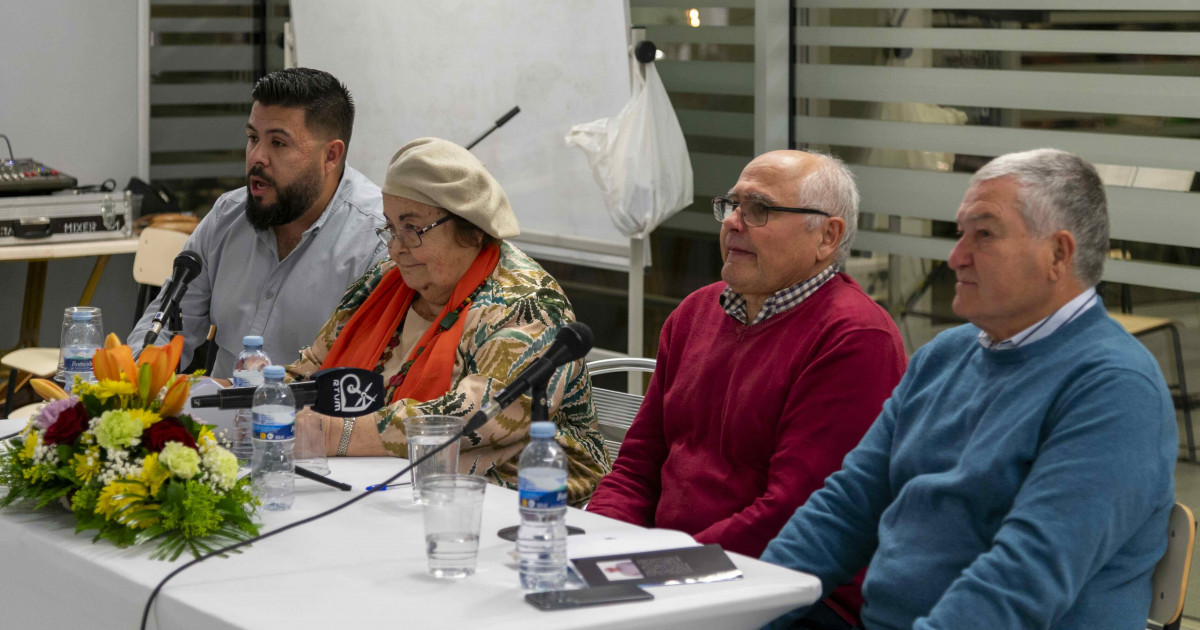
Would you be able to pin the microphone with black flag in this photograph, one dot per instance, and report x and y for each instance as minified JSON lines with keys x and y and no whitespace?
{"x":187,"y":267}
{"x":341,"y":392}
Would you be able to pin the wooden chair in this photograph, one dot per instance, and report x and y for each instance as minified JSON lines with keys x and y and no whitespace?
{"x":616,"y":410}
{"x":39,"y":362}
{"x":153,"y":262}
{"x":1138,"y":325}
{"x":1171,"y":573}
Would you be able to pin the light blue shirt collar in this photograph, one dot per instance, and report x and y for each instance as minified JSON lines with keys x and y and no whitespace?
{"x":1046,"y":326}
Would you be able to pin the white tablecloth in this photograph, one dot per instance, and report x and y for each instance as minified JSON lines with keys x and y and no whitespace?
{"x":363,"y":568}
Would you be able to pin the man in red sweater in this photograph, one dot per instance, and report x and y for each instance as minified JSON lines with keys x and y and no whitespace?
{"x":766,"y":380}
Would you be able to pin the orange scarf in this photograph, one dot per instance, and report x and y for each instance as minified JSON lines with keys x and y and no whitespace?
{"x":364,"y":338}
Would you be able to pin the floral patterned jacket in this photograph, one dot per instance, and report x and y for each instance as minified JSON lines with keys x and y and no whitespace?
{"x":512,"y":321}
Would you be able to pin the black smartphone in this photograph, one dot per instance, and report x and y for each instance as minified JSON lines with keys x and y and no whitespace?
{"x":609,"y":594}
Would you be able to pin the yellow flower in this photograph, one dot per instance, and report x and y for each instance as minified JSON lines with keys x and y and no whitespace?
{"x":206,"y":437}
{"x":153,"y":474}
{"x":107,"y":389}
{"x":87,"y":464}
{"x":31,"y":442}
{"x":129,"y":491}
{"x":145,"y":416}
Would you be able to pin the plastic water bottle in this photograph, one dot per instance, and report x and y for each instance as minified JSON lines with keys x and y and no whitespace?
{"x":542,"y":537}
{"x":81,"y":341}
{"x":271,"y":466}
{"x":247,"y":372}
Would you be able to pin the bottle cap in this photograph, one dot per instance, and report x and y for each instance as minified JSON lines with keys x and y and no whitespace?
{"x":542,"y":429}
{"x":81,"y":316}
{"x":252,"y":341}
{"x":273,"y":371}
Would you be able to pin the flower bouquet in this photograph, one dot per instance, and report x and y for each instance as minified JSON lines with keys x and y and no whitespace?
{"x":127,"y":462}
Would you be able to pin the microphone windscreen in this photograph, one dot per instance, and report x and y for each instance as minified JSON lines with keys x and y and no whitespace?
{"x":576,"y":337}
{"x":190,"y":262}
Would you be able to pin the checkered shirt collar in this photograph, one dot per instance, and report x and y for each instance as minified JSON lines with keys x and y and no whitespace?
{"x":783,"y":300}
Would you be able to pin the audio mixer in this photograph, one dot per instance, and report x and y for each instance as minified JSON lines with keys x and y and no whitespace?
{"x":27,"y":176}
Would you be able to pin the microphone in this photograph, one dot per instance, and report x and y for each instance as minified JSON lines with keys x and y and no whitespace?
{"x":187,"y":267}
{"x":572,"y":343}
{"x":340,"y":392}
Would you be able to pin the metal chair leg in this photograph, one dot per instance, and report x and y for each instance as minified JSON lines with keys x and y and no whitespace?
{"x":12,"y":391}
{"x":1183,"y":392}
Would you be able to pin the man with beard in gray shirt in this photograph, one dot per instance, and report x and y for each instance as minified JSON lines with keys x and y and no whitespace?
{"x":279,"y":253}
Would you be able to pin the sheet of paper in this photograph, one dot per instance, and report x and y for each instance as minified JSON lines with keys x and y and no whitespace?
{"x":592,"y":545}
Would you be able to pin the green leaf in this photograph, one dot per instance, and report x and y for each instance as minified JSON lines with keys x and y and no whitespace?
{"x":134,"y":518}
{"x":64,"y":452}
{"x":119,"y":515}
{"x":175,"y":493}
{"x":149,"y":533}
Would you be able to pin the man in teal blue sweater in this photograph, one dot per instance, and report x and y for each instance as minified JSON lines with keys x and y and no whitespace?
{"x":1021,"y":474}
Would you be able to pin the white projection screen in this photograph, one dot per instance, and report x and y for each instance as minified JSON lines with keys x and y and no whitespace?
{"x":451,"y":68}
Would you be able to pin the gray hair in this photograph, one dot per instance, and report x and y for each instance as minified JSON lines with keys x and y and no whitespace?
{"x":830,"y":187}
{"x":1059,"y":191}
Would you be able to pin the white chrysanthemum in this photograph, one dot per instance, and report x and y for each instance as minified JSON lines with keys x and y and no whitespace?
{"x":222,"y":465}
{"x":183,"y":461}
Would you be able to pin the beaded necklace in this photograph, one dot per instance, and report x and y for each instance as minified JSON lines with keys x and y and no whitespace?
{"x":446,"y":322}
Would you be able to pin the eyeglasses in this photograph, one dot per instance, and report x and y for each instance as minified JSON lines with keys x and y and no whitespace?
{"x":409,"y":237}
{"x":753,"y":212}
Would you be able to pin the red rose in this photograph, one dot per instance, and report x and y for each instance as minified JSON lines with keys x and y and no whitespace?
{"x":167,"y":430}
{"x":70,"y":423}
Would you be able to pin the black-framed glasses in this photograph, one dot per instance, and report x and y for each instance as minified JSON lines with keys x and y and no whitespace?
{"x":753,"y":212}
{"x":409,"y":237}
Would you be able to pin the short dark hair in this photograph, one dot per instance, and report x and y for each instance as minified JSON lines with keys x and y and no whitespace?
{"x":327,"y":104}
{"x":468,"y":234}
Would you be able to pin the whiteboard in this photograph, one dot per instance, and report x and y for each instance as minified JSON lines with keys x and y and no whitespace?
{"x":72,"y":87}
{"x":451,"y":68}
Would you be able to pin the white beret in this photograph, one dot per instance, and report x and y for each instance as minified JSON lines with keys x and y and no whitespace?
{"x":440,"y":173}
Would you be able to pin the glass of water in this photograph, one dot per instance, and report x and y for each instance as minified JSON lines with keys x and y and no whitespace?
{"x":453,"y":510}
{"x":426,"y":433}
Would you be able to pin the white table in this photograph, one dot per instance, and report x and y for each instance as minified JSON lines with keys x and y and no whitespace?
{"x":363,"y":568}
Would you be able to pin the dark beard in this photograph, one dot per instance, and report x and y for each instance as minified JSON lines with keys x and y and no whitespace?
{"x":291,"y":202}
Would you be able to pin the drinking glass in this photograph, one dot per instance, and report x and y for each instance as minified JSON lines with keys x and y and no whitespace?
{"x":453,"y":510}
{"x":424,"y":434}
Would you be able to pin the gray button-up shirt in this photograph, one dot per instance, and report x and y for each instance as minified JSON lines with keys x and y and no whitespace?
{"x":246,"y":290}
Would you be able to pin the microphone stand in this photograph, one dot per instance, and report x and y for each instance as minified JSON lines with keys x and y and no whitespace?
{"x":539,"y":407}
{"x":499,"y":123}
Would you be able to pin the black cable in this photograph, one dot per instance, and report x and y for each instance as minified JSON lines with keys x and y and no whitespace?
{"x":107,"y":185}
{"x":336,"y":508}
{"x":11,"y":158}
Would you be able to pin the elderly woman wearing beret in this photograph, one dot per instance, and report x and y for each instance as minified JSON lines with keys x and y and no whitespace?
{"x":450,"y":318}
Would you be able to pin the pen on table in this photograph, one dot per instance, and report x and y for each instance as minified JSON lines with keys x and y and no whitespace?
{"x":381,"y":487}
{"x":308,"y":474}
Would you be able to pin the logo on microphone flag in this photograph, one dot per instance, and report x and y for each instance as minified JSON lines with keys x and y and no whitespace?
{"x":351,"y":396}
{"x":346,"y":392}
